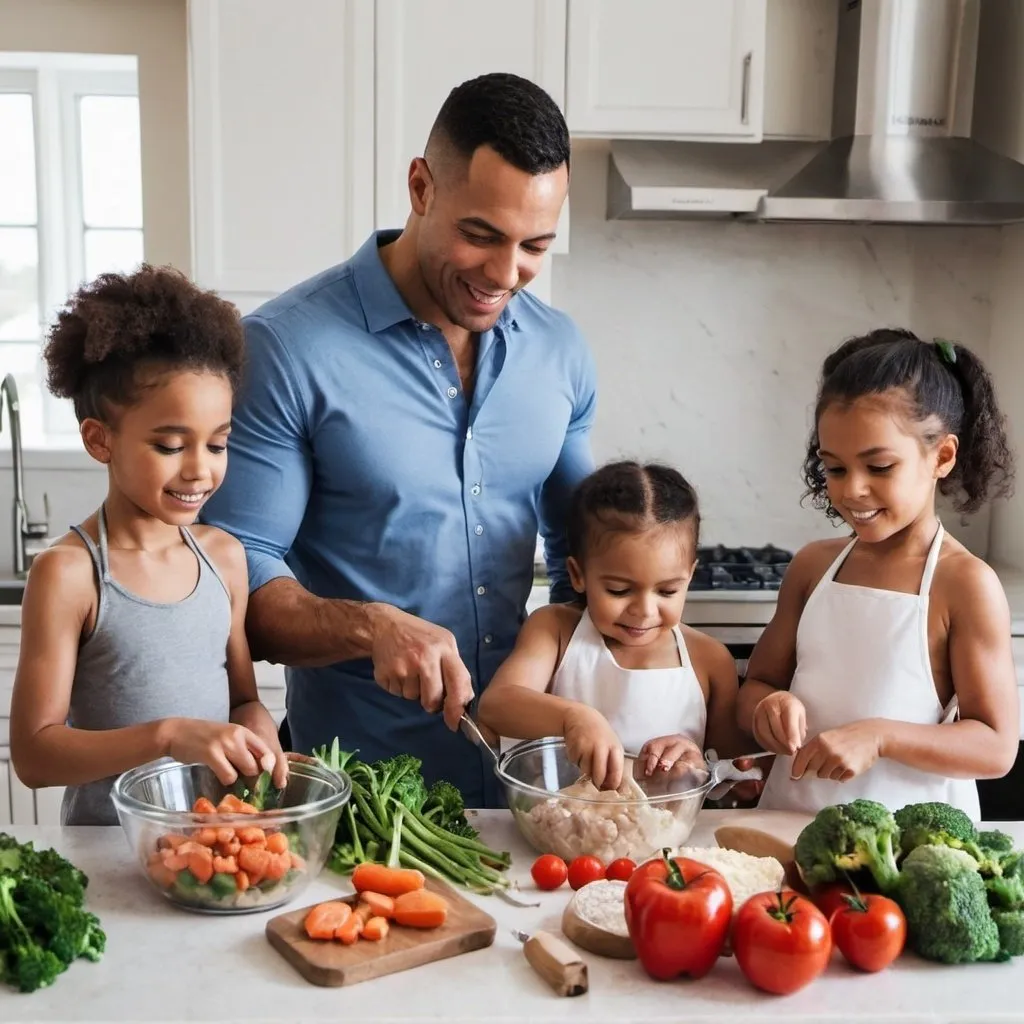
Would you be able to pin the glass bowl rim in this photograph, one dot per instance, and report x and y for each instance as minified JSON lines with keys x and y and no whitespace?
{"x":124,"y":801}
{"x":554,"y":742}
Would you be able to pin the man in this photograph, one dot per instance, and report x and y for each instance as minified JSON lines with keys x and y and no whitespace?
{"x":410,"y":419}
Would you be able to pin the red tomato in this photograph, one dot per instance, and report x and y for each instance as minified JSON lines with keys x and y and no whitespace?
{"x":781,"y":940}
{"x":620,"y":870}
{"x":870,"y":932}
{"x":584,"y":870}
{"x":829,"y":898}
{"x":677,"y":913}
{"x":549,"y":871}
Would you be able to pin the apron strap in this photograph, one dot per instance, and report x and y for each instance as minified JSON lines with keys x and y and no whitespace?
{"x":931,"y":561}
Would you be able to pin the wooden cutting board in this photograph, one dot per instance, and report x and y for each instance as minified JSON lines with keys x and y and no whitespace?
{"x":331,"y":963}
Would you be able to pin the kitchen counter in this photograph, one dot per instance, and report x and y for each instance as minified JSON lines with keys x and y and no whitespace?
{"x":164,"y":964}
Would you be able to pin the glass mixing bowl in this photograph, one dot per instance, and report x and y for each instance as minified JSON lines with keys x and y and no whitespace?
{"x":200,"y":861}
{"x":645,"y":816}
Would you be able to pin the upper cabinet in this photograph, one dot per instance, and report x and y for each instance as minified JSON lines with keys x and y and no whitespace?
{"x":425,"y":49}
{"x":666,"y":68}
{"x":282,"y":140}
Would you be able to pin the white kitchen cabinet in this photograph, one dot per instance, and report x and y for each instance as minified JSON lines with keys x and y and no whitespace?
{"x":5,"y":788}
{"x":666,"y":68}
{"x":282,"y":141}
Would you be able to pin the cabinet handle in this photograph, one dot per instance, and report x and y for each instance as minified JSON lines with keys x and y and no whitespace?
{"x":745,"y":89}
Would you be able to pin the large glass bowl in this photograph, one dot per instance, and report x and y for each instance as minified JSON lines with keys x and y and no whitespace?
{"x":154,"y":804}
{"x":653,"y":814}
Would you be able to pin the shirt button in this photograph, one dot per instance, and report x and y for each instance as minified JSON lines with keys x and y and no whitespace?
{"x":475,"y":489}
{"x":481,"y":591}
{"x":437,"y":364}
{"x":469,"y":433}
{"x":488,"y":639}
{"x":452,"y":392}
{"x":424,"y":327}
{"x":478,"y":529}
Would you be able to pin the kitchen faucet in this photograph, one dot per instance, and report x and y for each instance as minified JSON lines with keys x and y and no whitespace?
{"x":29,"y":537}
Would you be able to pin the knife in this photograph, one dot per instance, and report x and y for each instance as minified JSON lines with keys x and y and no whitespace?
{"x":555,"y":961}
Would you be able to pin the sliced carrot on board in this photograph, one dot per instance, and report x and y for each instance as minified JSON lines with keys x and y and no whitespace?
{"x":389,"y":881}
{"x":364,"y":910}
{"x":277,"y":842}
{"x":203,"y":806}
{"x":324,"y":920}
{"x":381,"y":905}
{"x":350,"y":930}
{"x":421,"y":909}
{"x":375,"y":929}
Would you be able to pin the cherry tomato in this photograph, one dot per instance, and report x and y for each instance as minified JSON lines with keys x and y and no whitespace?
{"x":870,"y":932}
{"x":620,"y":870}
{"x":584,"y":870}
{"x":549,"y":871}
{"x":781,"y":940}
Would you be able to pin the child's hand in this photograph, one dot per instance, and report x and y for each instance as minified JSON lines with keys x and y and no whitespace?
{"x":840,"y":754}
{"x":780,"y":723}
{"x":256,"y":718}
{"x":670,"y":753}
{"x":229,"y":749}
{"x":592,"y":745}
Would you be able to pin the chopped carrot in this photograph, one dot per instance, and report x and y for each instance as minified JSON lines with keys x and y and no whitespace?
{"x":229,"y":849}
{"x":162,"y":874}
{"x":203,"y":806}
{"x":364,"y":910}
{"x":297,"y":862}
{"x":255,"y":861}
{"x":206,"y":837}
{"x":201,"y":867}
{"x":251,"y":834}
{"x":375,"y":929}
{"x":277,"y":865}
{"x":385,"y":880}
{"x":229,"y":804}
{"x":381,"y":905}
{"x":241,"y":881}
{"x":421,"y":909}
{"x":277,"y":842}
{"x":324,"y":920}
{"x":225,"y":835}
{"x":175,"y":861}
{"x":225,"y":865}
{"x":350,"y":929}
{"x":193,"y":847}
{"x":244,"y":807}
{"x":171,"y":841}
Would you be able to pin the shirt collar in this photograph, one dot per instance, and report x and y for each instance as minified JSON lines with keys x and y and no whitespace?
{"x":383,"y":305}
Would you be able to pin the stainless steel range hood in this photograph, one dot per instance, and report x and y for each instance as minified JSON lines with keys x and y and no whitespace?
{"x":902,"y":151}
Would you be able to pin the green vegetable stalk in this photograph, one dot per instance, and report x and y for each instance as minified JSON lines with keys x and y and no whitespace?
{"x":392,"y":817}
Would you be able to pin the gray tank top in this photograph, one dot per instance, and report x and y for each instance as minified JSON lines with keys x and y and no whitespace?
{"x":144,"y":661}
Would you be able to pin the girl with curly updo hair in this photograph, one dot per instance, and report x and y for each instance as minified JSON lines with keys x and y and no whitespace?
{"x":886,"y":672}
{"x":133,"y":643}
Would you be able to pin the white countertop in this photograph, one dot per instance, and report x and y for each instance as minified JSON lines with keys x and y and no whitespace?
{"x":160,"y":966}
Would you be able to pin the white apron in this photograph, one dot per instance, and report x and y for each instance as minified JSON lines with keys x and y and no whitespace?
{"x":640,"y":704}
{"x":863,"y":653}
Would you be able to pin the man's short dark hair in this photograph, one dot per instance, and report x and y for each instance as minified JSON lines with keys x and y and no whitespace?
{"x":512,"y":115}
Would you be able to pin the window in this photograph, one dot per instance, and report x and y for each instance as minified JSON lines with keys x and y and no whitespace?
{"x":70,"y":208}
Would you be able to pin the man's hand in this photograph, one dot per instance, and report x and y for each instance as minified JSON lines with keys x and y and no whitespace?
{"x":591,"y":745}
{"x":780,"y":723}
{"x":840,"y":754}
{"x":417,"y":660}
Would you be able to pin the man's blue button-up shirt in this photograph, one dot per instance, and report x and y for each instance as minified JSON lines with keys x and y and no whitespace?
{"x":358,"y":467}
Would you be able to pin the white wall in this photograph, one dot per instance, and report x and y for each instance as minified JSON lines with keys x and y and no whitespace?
{"x":709,"y":337}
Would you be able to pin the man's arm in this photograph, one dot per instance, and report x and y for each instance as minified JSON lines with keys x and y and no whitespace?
{"x":262,"y":502}
{"x":575,"y":461}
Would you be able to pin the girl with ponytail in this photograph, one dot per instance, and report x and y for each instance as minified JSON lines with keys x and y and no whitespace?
{"x":886,"y":672}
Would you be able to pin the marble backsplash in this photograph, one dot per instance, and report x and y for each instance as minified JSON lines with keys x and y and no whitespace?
{"x":709,"y":337}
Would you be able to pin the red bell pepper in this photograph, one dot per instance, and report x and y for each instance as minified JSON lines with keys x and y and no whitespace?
{"x":678,"y":912}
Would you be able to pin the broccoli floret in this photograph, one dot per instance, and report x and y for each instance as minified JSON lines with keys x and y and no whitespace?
{"x":935,"y":824}
{"x":60,"y":873}
{"x":400,"y":777}
{"x":445,"y":807}
{"x":26,"y":962}
{"x":945,"y":903}
{"x":1010,"y":925}
{"x":996,"y":842}
{"x":57,"y":921}
{"x":849,"y":837}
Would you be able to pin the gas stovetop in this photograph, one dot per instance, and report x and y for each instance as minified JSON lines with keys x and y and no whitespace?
{"x":722,"y":568}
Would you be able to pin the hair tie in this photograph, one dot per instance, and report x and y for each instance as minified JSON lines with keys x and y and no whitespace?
{"x":946,"y":350}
